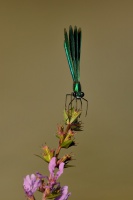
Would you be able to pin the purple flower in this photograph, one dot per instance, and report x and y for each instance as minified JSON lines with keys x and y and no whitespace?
{"x":50,"y":189}
{"x":31,"y":184}
{"x":64,"y":194}
{"x":52,"y":165}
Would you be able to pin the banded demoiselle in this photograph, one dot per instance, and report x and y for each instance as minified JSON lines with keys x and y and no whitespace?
{"x":72,"y":45}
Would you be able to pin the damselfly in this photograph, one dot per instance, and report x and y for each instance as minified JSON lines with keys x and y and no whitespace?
{"x":72,"y":45}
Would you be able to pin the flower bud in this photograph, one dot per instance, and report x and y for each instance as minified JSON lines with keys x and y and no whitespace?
{"x":48,"y":153}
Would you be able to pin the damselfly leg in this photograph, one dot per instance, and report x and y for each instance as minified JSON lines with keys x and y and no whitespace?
{"x":70,"y":105}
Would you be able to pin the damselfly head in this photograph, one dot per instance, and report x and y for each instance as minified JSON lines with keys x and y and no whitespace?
{"x":78,"y":95}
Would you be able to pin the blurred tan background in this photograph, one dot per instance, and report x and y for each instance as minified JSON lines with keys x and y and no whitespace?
{"x":34,"y":78}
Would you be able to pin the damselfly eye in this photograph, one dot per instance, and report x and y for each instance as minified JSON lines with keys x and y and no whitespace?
{"x":82,"y":94}
{"x":74,"y":94}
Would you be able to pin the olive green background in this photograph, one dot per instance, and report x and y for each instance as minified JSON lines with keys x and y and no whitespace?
{"x":34,"y":78}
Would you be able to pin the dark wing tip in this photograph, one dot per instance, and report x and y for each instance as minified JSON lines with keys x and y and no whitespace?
{"x":70,"y":31}
{"x":65,"y":31}
{"x":65,"y":36}
{"x":70,"y":27}
{"x":75,"y":27}
{"x":79,"y":30}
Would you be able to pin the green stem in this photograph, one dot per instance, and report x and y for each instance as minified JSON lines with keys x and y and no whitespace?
{"x":58,"y":151}
{"x":59,"y":147}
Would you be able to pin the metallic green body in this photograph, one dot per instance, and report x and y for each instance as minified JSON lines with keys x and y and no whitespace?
{"x":72,"y":45}
{"x":76,"y":87}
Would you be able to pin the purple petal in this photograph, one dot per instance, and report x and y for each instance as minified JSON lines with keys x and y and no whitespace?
{"x":40,"y":176}
{"x":64,"y":195}
{"x":52,"y":166}
{"x":31,"y":184}
{"x":61,"y":169}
